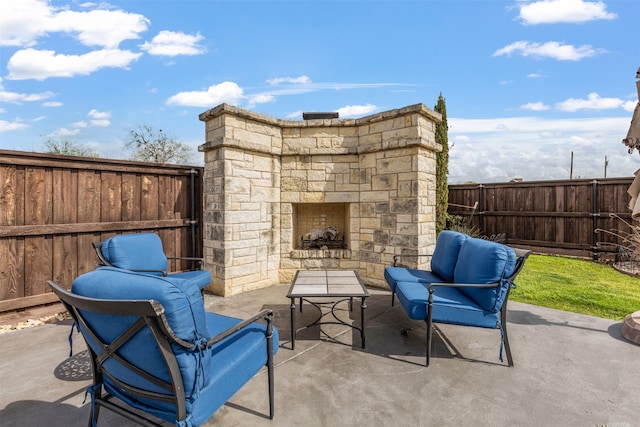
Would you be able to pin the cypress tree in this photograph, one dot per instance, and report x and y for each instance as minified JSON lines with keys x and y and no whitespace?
{"x":442,"y":166}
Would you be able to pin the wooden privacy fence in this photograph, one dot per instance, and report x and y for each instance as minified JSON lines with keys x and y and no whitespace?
{"x":53,"y":207}
{"x":562,"y":215}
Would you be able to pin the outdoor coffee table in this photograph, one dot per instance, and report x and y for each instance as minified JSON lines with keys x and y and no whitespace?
{"x":340,"y":285}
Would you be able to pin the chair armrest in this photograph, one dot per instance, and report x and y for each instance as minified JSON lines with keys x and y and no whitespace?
{"x":187,"y":258}
{"x":200,"y":260}
{"x":163,"y":272}
{"x":266,"y":315}
{"x":462,"y":285}
{"x":397,"y":257}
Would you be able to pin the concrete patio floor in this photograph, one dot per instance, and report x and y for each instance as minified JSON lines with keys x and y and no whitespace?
{"x":570,"y":370}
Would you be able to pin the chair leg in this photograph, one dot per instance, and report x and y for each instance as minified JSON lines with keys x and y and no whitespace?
{"x":94,"y":412}
{"x":429,"y":325}
{"x":505,"y":337}
{"x":270,"y":370}
{"x":393,"y":298}
{"x":507,"y":349}
{"x":429,"y":337}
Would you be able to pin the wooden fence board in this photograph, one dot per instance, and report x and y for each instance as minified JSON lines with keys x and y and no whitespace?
{"x":553,"y":214}
{"x":130,"y":197}
{"x":53,"y":207}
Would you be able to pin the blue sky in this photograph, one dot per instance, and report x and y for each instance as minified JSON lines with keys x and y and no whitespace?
{"x":526,"y":82}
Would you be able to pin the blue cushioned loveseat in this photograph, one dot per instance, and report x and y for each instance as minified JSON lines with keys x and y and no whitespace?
{"x":154,"y":347}
{"x":469,"y":285}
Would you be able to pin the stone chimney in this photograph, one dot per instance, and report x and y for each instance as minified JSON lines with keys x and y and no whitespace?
{"x":268,"y":181}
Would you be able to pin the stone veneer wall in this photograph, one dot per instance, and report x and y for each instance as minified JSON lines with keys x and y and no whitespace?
{"x":257,"y":167}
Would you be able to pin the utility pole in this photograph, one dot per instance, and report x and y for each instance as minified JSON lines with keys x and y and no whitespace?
{"x":606,"y":163}
{"x":571,"y":170}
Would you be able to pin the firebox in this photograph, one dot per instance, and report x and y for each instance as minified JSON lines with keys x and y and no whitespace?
{"x":320,"y":225}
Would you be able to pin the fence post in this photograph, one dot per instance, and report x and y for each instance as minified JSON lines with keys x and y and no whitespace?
{"x":193,"y":173}
{"x":481,"y":207}
{"x":594,"y":214}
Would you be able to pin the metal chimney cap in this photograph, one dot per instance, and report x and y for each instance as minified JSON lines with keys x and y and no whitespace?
{"x":312,"y":116}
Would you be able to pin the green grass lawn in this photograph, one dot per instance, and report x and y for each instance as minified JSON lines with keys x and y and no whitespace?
{"x":577,"y":285}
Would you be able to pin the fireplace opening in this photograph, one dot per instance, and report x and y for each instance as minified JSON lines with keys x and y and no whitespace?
{"x":320,"y":225}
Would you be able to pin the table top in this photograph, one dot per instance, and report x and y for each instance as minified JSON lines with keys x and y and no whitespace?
{"x":327,"y":283}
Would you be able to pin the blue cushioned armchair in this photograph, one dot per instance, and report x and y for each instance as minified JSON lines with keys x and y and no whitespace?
{"x":154,"y":347}
{"x":143,"y":252}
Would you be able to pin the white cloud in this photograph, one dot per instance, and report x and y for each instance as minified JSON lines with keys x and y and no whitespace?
{"x":99,"y":118}
{"x":565,"y":11}
{"x":593,"y":102}
{"x":535,"y":76}
{"x":578,"y":141}
{"x":356,"y":110}
{"x":52,"y":104}
{"x":295,"y":115}
{"x":555,"y":50}
{"x":6,"y":126}
{"x":95,"y":114}
{"x":17,"y":98}
{"x":500,"y":149}
{"x":105,"y":28}
{"x":39,"y":118}
{"x":172,"y":43}
{"x":292,"y":80}
{"x":260,"y":99}
{"x":78,"y":125}
{"x":62,"y":132}
{"x":535,"y":106}
{"x":24,"y":22}
{"x":42,"y":64}
{"x":629,"y":105}
{"x":101,"y":123}
{"x":225,"y":92}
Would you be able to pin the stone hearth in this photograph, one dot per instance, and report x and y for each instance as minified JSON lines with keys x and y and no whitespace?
{"x":268,"y":181}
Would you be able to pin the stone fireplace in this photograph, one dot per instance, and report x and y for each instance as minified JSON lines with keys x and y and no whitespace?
{"x":269,"y":182}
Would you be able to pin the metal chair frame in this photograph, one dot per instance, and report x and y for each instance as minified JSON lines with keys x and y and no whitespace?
{"x":151,"y":315}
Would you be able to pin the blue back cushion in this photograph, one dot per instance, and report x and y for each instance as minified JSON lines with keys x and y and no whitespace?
{"x":184,"y":310}
{"x":484,"y":262}
{"x":443,"y":261}
{"x":140,"y":251}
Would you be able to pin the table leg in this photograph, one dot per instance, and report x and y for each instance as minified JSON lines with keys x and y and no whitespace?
{"x":293,"y":323}
{"x":363,"y":306}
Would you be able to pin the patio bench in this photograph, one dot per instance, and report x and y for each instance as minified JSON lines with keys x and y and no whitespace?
{"x":469,"y":285}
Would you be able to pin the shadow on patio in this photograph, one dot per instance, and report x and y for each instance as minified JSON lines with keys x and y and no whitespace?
{"x":570,"y":369}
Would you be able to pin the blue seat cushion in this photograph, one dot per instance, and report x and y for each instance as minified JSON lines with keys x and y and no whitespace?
{"x":200,"y":278}
{"x":139,"y":251}
{"x":394,"y":275}
{"x":445,"y":255}
{"x":227,"y":366}
{"x":484,"y":262}
{"x":449,"y":306}
{"x":443,"y":262}
{"x":231,"y":363}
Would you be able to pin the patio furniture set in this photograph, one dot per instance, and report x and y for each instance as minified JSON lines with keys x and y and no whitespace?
{"x":155,"y":348}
